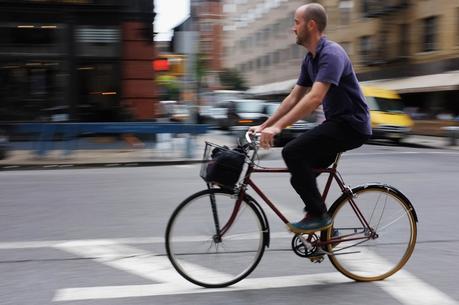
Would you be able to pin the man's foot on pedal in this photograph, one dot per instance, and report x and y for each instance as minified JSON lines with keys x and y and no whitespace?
{"x":310,"y":224}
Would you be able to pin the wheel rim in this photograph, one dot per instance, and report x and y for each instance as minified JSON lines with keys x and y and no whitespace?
{"x":393,"y":239}
{"x":198,"y":256}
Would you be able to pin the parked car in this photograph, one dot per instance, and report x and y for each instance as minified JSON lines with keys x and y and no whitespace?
{"x":4,"y":145}
{"x":174,"y":112}
{"x":388,"y":120}
{"x":239,"y":114}
{"x":292,"y":131}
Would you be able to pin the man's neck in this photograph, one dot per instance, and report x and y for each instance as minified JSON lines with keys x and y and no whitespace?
{"x":312,"y":45}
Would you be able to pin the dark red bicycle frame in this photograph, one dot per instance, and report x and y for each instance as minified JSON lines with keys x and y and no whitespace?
{"x":333,"y":175}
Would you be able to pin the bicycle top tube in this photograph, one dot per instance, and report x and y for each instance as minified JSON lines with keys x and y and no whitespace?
{"x":253,"y":139}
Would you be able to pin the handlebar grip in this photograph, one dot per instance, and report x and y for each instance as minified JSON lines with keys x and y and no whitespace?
{"x":251,"y":137}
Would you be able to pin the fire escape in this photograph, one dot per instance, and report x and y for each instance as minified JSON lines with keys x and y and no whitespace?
{"x":383,"y":49}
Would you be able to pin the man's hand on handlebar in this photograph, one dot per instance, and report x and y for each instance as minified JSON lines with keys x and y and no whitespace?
{"x":267,"y":136}
{"x":256,"y":129}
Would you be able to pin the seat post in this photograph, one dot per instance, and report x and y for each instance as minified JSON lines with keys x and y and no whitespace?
{"x":335,"y":164}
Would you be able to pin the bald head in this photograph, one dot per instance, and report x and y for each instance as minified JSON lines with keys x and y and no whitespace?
{"x":316,"y":12}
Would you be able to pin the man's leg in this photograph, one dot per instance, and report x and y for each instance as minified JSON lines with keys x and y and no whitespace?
{"x":301,"y":155}
{"x":317,"y":149}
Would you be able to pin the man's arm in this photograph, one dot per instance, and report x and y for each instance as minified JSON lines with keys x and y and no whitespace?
{"x":304,"y":107}
{"x":287,"y":104}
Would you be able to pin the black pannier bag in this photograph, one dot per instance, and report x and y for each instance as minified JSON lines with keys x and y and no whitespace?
{"x":223,"y":165}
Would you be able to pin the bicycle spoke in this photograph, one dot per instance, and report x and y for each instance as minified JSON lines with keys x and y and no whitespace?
{"x":400,"y":217}
{"x":235,"y":253}
{"x":382,"y":209}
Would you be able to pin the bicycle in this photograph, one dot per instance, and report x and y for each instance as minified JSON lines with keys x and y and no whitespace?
{"x":216,"y":237}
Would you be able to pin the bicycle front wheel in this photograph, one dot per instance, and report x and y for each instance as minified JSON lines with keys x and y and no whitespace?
{"x":201,"y":252}
{"x":375,"y":231}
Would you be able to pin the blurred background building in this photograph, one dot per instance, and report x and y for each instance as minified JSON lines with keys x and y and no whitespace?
{"x":78,"y":60}
{"x":95,"y":60}
{"x":411,"y":46}
{"x":204,"y":30}
{"x":208,"y":14}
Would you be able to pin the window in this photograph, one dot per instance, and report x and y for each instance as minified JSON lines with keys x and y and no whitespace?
{"x":345,"y":8}
{"x":206,"y":27}
{"x":97,"y":41}
{"x":259,"y":38}
{"x":372,"y":8}
{"x":206,"y":47}
{"x":229,"y":8}
{"x":457,"y":27}
{"x":266,"y":34}
{"x":258,"y":63}
{"x":404,"y":42}
{"x":266,"y":60}
{"x":250,"y":65}
{"x":347,"y":46}
{"x":276,"y":28}
{"x":32,"y":38}
{"x":276,"y":57}
{"x":285,"y":54}
{"x":365,"y":48}
{"x":295,"y":51}
{"x":430,"y":30}
{"x":29,"y":89}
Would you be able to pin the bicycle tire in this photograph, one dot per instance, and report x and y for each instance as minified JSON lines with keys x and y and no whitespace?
{"x":394,"y":220}
{"x":198,"y":256}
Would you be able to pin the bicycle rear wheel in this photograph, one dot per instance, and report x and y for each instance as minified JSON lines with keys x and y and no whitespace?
{"x":382,"y":248}
{"x":203,"y":256}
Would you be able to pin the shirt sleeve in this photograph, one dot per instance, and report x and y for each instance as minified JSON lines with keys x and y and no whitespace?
{"x":304,"y":80}
{"x":331,"y":67}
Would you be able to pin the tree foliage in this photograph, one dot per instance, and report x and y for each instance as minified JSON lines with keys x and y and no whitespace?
{"x":233,"y":80}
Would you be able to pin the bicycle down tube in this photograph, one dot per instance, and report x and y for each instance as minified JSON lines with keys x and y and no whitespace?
{"x":333,"y":175}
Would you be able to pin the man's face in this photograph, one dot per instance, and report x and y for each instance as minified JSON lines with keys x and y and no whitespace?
{"x":300,"y":28}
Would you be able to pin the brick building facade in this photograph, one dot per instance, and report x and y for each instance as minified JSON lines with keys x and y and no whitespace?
{"x":84,"y":60}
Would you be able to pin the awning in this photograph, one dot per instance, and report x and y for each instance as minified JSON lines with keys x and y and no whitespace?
{"x":426,"y":83}
{"x":446,"y":81}
{"x":283,"y":87}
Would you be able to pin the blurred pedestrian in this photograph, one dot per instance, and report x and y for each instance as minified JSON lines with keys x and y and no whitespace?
{"x":328,"y":72}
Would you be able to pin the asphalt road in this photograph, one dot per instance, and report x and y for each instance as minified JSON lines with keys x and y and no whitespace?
{"x":95,"y":236}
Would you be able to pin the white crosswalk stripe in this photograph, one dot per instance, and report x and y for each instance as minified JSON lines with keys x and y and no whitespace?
{"x":403,"y":286}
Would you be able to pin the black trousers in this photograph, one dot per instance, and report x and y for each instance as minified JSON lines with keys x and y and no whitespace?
{"x":317,"y":148}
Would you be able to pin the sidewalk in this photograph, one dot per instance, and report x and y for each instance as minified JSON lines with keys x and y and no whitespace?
{"x":166,"y":153}
{"x":117,"y":153}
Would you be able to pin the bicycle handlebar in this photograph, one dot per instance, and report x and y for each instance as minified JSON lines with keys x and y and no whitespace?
{"x":252,"y":138}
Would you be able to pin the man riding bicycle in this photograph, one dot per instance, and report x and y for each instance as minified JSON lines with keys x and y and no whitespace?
{"x":328,"y":72}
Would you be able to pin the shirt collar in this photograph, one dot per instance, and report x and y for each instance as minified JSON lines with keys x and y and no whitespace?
{"x":319,"y":47}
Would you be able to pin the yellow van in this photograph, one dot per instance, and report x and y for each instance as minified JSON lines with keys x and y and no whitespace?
{"x":388,"y":120}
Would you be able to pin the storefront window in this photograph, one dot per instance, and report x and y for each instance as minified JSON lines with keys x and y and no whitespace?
{"x":36,"y":38}
{"x":98,"y":41}
{"x":30,"y":90}
{"x":98,"y":92}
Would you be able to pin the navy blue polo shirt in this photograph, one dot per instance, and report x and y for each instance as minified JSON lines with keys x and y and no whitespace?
{"x":344,"y":100}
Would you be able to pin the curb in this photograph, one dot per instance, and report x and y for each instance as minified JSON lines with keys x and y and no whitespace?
{"x":15,"y":167}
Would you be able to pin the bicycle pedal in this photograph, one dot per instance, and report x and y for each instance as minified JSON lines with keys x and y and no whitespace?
{"x":316,"y":259}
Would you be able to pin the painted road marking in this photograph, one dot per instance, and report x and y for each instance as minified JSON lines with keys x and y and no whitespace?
{"x":403,"y":286}
{"x":133,"y":260}
{"x":102,"y":242}
{"x":111,"y":292}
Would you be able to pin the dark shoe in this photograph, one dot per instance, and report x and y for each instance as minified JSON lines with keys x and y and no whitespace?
{"x":311,"y":224}
{"x":335,"y":235}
